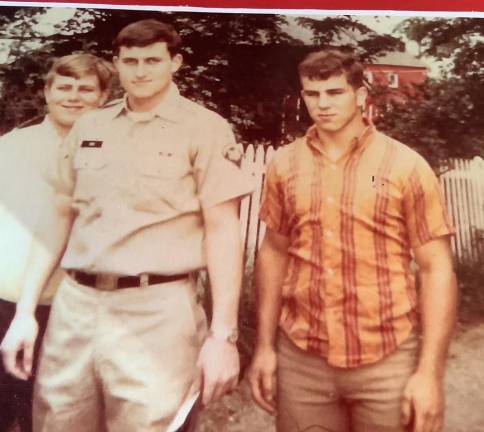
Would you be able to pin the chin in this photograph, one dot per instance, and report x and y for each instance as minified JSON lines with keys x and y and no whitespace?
{"x":328,"y":128}
{"x":68,"y":120}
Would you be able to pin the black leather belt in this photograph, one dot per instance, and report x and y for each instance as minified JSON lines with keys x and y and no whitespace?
{"x":91,"y":279}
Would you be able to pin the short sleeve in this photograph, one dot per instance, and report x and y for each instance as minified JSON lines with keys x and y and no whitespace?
{"x":272,"y":205}
{"x":424,"y":205}
{"x":218,"y":165}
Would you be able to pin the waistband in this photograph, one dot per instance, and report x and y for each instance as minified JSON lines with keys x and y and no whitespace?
{"x":111,"y":282}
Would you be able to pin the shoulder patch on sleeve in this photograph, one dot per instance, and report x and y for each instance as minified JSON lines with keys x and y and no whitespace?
{"x":233,"y":153}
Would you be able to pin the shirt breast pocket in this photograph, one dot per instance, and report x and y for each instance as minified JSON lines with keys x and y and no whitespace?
{"x":89,"y":159}
{"x":163,"y":166}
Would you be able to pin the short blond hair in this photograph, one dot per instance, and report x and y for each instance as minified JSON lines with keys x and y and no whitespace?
{"x":80,"y":65}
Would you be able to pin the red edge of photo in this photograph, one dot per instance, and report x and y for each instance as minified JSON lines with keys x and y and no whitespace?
{"x":408,"y":5}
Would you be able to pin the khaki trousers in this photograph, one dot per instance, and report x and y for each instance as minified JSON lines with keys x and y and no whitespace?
{"x":315,"y":397}
{"x":120,"y":361}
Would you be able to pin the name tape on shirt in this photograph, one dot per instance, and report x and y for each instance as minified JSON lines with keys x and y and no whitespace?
{"x":91,"y":144}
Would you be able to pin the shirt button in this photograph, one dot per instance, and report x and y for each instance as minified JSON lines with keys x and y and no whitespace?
{"x":328,"y":233}
{"x":330,"y":199}
{"x":333,"y":167}
{"x":329,"y":272}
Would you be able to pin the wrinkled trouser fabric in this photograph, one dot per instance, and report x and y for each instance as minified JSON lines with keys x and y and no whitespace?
{"x":119,"y":360}
{"x":313,"y":396}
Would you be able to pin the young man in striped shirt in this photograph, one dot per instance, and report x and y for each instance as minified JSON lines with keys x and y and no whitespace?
{"x":347,"y":209}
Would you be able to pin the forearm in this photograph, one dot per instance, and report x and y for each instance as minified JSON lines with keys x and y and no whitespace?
{"x":44,"y":257}
{"x":270,"y":272}
{"x":438,"y":302}
{"x":224,"y":256}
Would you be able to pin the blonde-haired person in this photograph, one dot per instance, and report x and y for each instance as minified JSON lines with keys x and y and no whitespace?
{"x":74,"y":84}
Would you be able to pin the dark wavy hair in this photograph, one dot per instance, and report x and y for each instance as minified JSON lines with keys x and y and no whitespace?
{"x":321,"y":65}
{"x":146,"y":32}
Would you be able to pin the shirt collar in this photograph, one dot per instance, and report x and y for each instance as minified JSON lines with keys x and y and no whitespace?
{"x":359,"y":142}
{"x":168,"y":108}
{"x":49,"y":128}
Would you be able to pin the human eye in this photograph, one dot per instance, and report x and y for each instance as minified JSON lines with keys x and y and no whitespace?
{"x":86,"y":89}
{"x":63,"y":88}
{"x":153,"y":60}
{"x":335,"y":92}
{"x":128,"y":61}
{"x":310,"y":93}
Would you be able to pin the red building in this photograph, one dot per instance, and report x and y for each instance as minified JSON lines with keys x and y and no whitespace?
{"x":394,"y":76}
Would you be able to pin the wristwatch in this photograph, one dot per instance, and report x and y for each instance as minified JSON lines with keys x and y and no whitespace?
{"x":230,"y":336}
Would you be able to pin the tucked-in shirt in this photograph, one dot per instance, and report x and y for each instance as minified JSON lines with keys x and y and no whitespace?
{"x":28,"y":166}
{"x":139,"y":183}
{"x":349,"y":293}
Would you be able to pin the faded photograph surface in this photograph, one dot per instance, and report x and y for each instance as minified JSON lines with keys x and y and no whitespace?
{"x":322,"y":174}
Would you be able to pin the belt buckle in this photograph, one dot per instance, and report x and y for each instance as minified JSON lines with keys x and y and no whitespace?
{"x":144,"y":280}
{"x":106,"y":282}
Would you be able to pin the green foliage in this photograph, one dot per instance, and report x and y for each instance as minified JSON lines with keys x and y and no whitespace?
{"x":438,"y":121}
{"x":241,"y":65}
{"x":347,"y":34}
{"x":444,"y":118}
{"x":244,"y":67}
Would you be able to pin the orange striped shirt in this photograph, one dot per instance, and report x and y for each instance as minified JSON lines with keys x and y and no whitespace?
{"x":349,"y":293}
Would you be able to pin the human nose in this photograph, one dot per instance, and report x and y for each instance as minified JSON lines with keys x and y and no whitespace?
{"x":323,"y":101}
{"x":140,"y":69}
{"x":74,"y":94}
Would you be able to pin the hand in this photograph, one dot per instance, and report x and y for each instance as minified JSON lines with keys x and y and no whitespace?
{"x":424,"y":398}
{"x":262,"y":379}
{"x":219,"y":365}
{"x":20,"y":338}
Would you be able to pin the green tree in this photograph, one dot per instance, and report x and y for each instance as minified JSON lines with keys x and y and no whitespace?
{"x":241,"y":65}
{"x":446,"y":119}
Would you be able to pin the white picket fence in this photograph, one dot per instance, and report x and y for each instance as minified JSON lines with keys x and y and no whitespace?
{"x":464,"y":193}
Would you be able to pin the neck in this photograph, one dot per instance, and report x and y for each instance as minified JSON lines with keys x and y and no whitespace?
{"x":139,"y":104}
{"x":61,"y":129}
{"x":338,"y":142}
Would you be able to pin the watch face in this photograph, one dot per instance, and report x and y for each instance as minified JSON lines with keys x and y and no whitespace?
{"x":233,"y":337}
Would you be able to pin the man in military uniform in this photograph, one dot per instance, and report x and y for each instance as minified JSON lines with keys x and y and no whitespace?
{"x":153,"y":197}
{"x":28,"y":159}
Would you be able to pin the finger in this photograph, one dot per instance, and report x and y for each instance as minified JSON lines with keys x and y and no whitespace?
{"x":207,"y":393}
{"x":10,"y":363}
{"x":406,"y":410}
{"x":218,"y":391}
{"x":267,"y":381}
{"x":433,"y":423}
{"x":438,"y":423}
{"x":233,"y":383}
{"x":267,"y":386}
{"x":256,"y":385}
{"x":8,"y":359}
{"x":419,"y":421}
{"x":28,"y":356}
{"x":427,"y":424}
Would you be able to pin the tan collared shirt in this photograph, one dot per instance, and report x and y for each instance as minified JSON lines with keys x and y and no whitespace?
{"x":349,"y":293}
{"x":28,"y":165}
{"x":139,"y":184}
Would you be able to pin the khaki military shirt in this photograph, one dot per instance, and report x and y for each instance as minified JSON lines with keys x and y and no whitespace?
{"x":138,"y":183}
{"x":28,"y":166}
